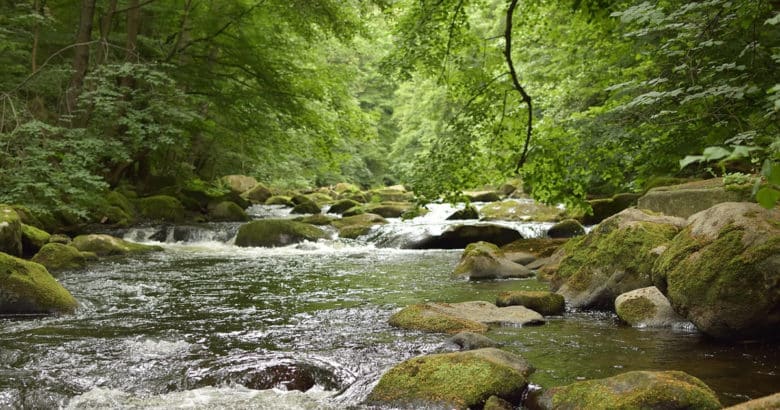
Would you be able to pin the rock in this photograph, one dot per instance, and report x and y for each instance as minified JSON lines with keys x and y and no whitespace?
{"x":279,"y":200}
{"x":544,"y":302}
{"x":316,"y":219}
{"x":117,"y":199}
{"x":483,"y":196}
{"x":27,"y":288}
{"x":239,"y":183}
{"x":277,"y":232}
{"x":523,"y":258}
{"x":161,"y":208}
{"x":342,"y":205}
{"x":507,"y":189}
{"x":57,"y":257}
{"x":106,"y":245}
{"x":358,"y":225}
{"x":464,"y":316}
{"x":483,"y":260}
{"x":568,"y":228}
{"x":389,"y":210}
{"x":10,"y":231}
{"x":304,"y":205}
{"x":414,"y":212}
{"x":360,"y":197}
{"x":539,"y":247}
{"x":497,"y":403}
{"x":459,"y":236}
{"x":344,"y":187}
{"x":355,"y":210}
{"x":392,"y":194}
{"x":33,"y":240}
{"x":519,"y":210}
{"x":614,"y":258}
{"x":765,"y":403}
{"x":115,"y":216}
{"x":227,"y":212}
{"x":471,"y":341}
{"x":687,"y":199}
{"x":258,"y":194}
{"x":458,"y":380}
{"x":670,"y":390}
{"x":469,"y":212}
{"x":322,"y":198}
{"x":646,"y":307}
{"x":606,"y":207}
{"x":60,"y":238}
{"x":722,"y":272}
{"x":354,"y":232}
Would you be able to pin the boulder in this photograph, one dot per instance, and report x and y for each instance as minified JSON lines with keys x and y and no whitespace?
{"x":344,"y":187}
{"x":106,"y":245}
{"x":568,"y":228}
{"x":33,"y":239}
{"x":614,"y":258}
{"x":277,"y":232}
{"x":464,"y":316}
{"x":388,"y":209}
{"x":322,"y":198}
{"x":340,"y":206}
{"x":239,"y":183}
{"x":459,"y":380}
{"x":395,"y":193}
{"x":483,"y":260}
{"x":279,"y":200}
{"x":669,"y":390}
{"x":305,"y":205}
{"x":316,"y":219}
{"x":469,"y":212}
{"x":10,"y":231}
{"x":687,"y":199}
{"x":227,"y":212}
{"x":352,"y":227}
{"x":646,"y":307}
{"x":544,"y":302}
{"x":765,"y":403}
{"x":115,"y":216}
{"x":519,"y":210}
{"x":722,"y":272}
{"x":460,"y":236}
{"x":27,"y":288}
{"x":258,"y":194}
{"x":497,"y":403}
{"x":119,"y":200}
{"x":539,"y":247}
{"x":482,"y":196}
{"x":355,"y":210}
{"x":606,"y":207}
{"x":161,"y":208}
{"x":58,"y":257}
{"x":60,"y":238}
{"x":471,"y":341}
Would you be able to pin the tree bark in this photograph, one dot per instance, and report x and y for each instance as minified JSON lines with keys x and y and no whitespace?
{"x":133,"y":28}
{"x":81,"y":54}
{"x":105,"y":30}
{"x":525,"y":98}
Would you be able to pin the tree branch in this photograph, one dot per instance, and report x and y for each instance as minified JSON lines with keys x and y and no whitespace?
{"x":516,"y":82}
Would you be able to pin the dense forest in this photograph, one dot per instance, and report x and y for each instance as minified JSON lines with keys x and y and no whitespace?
{"x":575,"y":97}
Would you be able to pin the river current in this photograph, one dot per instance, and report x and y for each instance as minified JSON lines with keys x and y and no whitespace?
{"x":206,"y":324}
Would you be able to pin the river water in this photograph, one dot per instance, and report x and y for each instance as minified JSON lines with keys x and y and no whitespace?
{"x":206,"y":324}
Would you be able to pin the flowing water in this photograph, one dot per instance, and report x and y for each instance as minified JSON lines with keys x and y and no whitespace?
{"x":206,"y":324}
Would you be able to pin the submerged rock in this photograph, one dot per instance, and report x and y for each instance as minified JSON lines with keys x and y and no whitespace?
{"x":722,"y":272}
{"x":483,"y":260}
{"x":10,"y":231}
{"x":464,"y":316}
{"x":106,"y":245}
{"x":544,"y":302}
{"x":27,"y":288}
{"x":458,"y":380}
{"x":669,"y":390}
{"x":57,"y":257}
{"x":646,"y":307}
{"x":277,"y":232}
{"x":460,"y":236}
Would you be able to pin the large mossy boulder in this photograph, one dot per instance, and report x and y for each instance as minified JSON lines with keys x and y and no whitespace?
{"x":258,"y":194}
{"x":646,"y":307}
{"x":389,"y":209}
{"x":27,"y":288}
{"x":33,"y":239}
{"x":342,"y":205}
{"x":107,"y":245}
{"x":58,"y":257}
{"x":280,"y":200}
{"x":687,"y":199}
{"x":474,"y":316}
{"x":722,"y":272}
{"x":544,"y":302}
{"x":395,"y":193}
{"x":484,"y":260}
{"x":459,"y":380}
{"x":277,"y":232}
{"x":227,"y":212}
{"x":239,"y":183}
{"x":468,"y":212}
{"x":161,"y":208}
{"x":352,"y":227}
{"x":614,"y":258}
{"x":10,"y":231}
{"x":304,"y":205}
{"x":482,"y":196}
{"x":519,"y":210}
{"x":668,"y":390}
{"x":460,"y":236}
{"x":603,"y":208}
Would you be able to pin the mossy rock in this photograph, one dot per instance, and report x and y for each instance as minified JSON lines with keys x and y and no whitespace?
{"x":471,"y":341}
{"x":483,"y":196}
{"x":60,"y":238}
{"x":115,"y":198}
{"x":764,"y":403}
{"x":722,"y":272}
{"x":28,"y":217}
{"x":342,"y":205}
{"x":458,"y":380}
{"x":497,"y":403}
{"x":33,"y":239}
{"x":354,"y":231}
{"x":361,"y":219}
{"x":605,"y":207}
{"x":322,"y":198}
{"x":414,"y":212}
{"x":277,"y":232}
{"x":259,"y":194}
{"x":239,"y":183}
{"x":309,"y":207}
{"x":58,"y":257}
{"x":568,"y":228}
{"x":279,"y":200}
{"x":522,"y":210}
{"x":614,"y":258}
{"x":316,"y":219}
{"x":106,"y":245}
{"x":391,"y":194}
{"x":672,"y":390}
{"x":227,"y":212}
{"x":344,"y":187}
{"x":646,"y":307}
{"x":460,"y":236}
{"x":687,"y":199}
{"x":359,"y":197}
{"x":389,"y":210}
{"x":355,"y":210}
{"x":473,"y":316}
{"x":544,"y":302}
{"x":10,"y":231}
{"x":469,"y":212}
{"x":115,"y":216}
{"x":660,"y":181}
{"x":27,"y":288}
{"x":539,"y":247}
{"x":484,"y":260}
{"x":161,"y":208}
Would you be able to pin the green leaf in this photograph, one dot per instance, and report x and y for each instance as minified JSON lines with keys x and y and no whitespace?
{"x":771,"y":171}
{"x":715,"y":153}
{"x":767,"y":197}
{"x":690,"y":159}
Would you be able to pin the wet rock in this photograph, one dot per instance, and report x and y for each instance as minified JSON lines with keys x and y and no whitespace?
{"x":459,"y":236}
{"x":239,"y":183}
{"x":568,"y":228}
{"x":764,"y":403}
{"x":161,"y":208}
{"x":304,"y":205}
{"x":469,"y":212}
{"x":258,"y":194}
{"x":395,"y":193}
{"x":471,"y":341}
{"x":687,"y":199}
{"x":544,"y":302}
{"x":282,"y":374}
{"x":614,"y":258}
{"x":316,"y":219}
{"x":722,"y":272}
{"x":483,"y":196}
{"x":277,"y":232}
{"x":27,"y":288}
{"x":57,"y":257}
{"x":646,"y":307}
{"x":483,"y":260}
{"x":464,"y":316}
{"x":227,"y":212}
{"x":497,"y":403}
{"x":389,"y":210}
{"x":106,"y":245}
{"x":60,"y":238}
{"x":341,"y":206}
{"x":346,"y":188}
{"x":670,"y":390}
{"x":279,"y":200}
{"x":522,"y":210}
{"x":10,"y":231}
{"x":33,"y":240}
{"x":354,"y":226}
{"x":458,"y":380}
{"x":539,"y":247}
{"x":606,"y":207}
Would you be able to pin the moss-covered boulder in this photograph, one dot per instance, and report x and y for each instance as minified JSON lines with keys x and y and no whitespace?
{"x":603,"y":208}
{"x":519,"y":210}
{"x":342,"y":205}
{"x":646,"y":307}
{"x":322,"y":198}
{"x":33,"y":239}
{"x":544,"y":302}
{"x":469,"y":212}
{"x":277,"y":232}
{"x":60,"y":238}
{"x":304,"y":205}
{"x":316,"y":219}
{"x":161,"y":208}
{"x":460,"y":236}
{"x":258,"y":194}
{"x":483,"y":260}
{"x":239,"y":183}
{"x":462,"y":317}
{"x":107,"y":245}
{"x":669,"y":390}
{"x":497,"y":403}
{"x":391,"y":194}
{"x":227,"y":212}
{"x":279,"y":200}
{"x":459,"y":380}
{"x":119,"y":200}
{"x":346,"y":188}
{"x":722,"y":272}
{"x":539,"y":247}
{"x":567,"y":228}
{"x":354,"y":226}
{"x":764,"y":403}
{"x":27,"y":288}
{"x":483,"y":196}
{"x":58,"y":257}
{"x":687,"y":199}
{"x":10,"y":231}
{"x":389,"y":209}
{"x":614,"y":258}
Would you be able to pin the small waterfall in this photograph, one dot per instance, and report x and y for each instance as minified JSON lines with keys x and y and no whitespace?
{"x":211,"y":232}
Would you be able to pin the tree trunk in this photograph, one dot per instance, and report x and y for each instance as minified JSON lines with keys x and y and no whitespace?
{"x":133,"y":28}
{"x":81,"y":55}
{"x":516,"y":82}
{"x":105,"y":29}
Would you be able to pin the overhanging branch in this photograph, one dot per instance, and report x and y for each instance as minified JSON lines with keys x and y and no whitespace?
{"x":516,"y":82}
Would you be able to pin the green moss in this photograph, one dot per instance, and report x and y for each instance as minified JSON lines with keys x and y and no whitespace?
{"x":33,"y":239}
{"x":361,"y":219}
{"x":422,"y":317}
{"x":10,"y":231}
{"x":342,"y":205}
{"x":26,"y":287}
{"x":636,"y":310}
{"x":539,"y":247}
{"x":277,"y":232}
{"x":58,"y":257}
{"x":546,"y":303}
{"x":115,"y":198}
{"x":106,"y":245}
{"x":520,"y":211}
{"x":279,"y":200}
{"x":161,"y":208}
{"x":353,"y":232}
{"x":228,"y":211}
